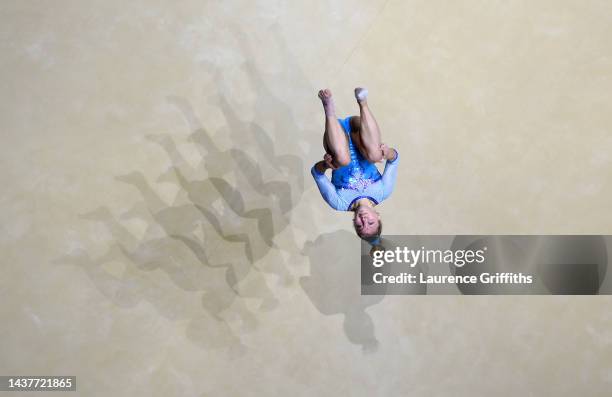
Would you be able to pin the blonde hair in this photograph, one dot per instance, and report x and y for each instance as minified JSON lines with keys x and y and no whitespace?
{"x":375,"y":248}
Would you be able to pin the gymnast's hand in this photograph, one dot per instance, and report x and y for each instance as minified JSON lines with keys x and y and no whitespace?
{"x":329,"y":161}
{"x":387,"y":152}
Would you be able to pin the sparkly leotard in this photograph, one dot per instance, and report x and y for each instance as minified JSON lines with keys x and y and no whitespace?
{"x":359,"y":173}
{"x":358,"y":179}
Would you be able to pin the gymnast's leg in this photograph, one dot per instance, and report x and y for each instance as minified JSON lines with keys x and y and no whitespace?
{"x":335,"y":140}
{"x":369,"y":133}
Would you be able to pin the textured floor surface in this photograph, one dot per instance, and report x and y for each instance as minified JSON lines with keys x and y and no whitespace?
{"x":161,"y":234}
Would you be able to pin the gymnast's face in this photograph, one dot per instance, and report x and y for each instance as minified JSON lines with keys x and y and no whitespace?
{"x":366,"y":221}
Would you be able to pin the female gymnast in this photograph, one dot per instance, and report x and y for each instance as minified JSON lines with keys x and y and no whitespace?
{"x":352,"y":146}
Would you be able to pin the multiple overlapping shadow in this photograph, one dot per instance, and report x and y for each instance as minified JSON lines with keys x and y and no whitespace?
{"x":220,"y":237}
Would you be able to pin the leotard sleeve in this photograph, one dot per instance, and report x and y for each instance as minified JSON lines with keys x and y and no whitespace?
{"x":328,"y":190}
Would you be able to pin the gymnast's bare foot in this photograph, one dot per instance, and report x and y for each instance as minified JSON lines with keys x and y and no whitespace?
{"x":361,"y":94}
{"x":328,"y":102}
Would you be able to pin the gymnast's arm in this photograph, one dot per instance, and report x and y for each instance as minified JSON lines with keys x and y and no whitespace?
{"x":390,"y":173}
{"x":327,"y":189}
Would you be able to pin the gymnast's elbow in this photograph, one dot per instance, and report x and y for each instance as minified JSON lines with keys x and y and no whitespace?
{"x":333,"y":204}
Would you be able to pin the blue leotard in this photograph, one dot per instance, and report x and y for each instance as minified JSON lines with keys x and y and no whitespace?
{"x":358,"y":179}
{"x":359,"y":173}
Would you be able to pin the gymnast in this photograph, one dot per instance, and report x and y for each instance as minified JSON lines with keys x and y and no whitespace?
{"x":352,"y":146}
